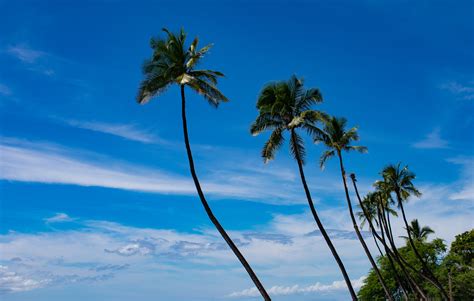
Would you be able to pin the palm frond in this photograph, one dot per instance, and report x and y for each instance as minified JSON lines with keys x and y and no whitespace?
{"x":272,"y":145}
{"x":325,"y":156}
{"x":208,"y":90}
{"x":297,"y":148}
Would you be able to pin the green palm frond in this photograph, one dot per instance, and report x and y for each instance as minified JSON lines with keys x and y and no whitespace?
{"x":325,"y":156}
{"x":265,"y":121}
{"x":297,"y":148}
{"x":173,"y":63}
{"x":272,"y":145}
{"x":286,"y":105}
{"x":208,"y":90}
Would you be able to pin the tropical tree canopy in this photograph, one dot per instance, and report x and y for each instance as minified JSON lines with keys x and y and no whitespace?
{"x":337,"y":138}
{"x":174,"y":62}
{"x":417,"y":232}
{"x":286,"y":105}
{"x":398,"y":180}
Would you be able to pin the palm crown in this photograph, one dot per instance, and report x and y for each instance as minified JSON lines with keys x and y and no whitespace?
{"x":373,"y":202}
{"x":172,"y":62}
{"x":286,"y":105}
{"x":336,"y":138}
{"x":417,"y":232}
{"x":398,"y":180}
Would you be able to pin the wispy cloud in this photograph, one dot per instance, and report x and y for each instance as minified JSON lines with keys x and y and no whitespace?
{"x":25,"y":53}
{"x":432,"y":140}
{"x":318,"y":287}
{"x":466,"y":184}
{"x":50,"y":164}
{"x":465,"y":91}
{"x":126,"y":131}
{"x":59,"y":218}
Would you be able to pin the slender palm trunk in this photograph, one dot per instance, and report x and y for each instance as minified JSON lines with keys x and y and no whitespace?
{"x":376,"y":236}
{"x":399,"y":258}
{"x":427,"y":270}
{"x":318,"y":221}
{"x":211,"y":216}
{"x":356,"y":228}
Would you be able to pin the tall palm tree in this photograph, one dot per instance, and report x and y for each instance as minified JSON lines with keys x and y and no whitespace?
{"x":399,"y":181}
{"x":417,"y":232}
{"x":337,"y":139}
{"x":286,"y":106}
{"x":174,"y":63}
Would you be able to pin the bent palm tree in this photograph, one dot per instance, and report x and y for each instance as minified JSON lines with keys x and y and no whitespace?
{"x":337,"y":139}
{"x":286,"y":106}
{"x":172,"y":63}
{"x":418,"y":233}
{"x":400,"y":181}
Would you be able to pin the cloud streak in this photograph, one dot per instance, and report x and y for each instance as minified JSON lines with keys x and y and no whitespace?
{"x":460,"y":90}
{"x":50,"y":164}
{"x":432,"y":141}
{"x":126,"y":131}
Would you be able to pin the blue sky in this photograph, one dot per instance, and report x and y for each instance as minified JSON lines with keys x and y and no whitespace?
{"x":96,"y":199}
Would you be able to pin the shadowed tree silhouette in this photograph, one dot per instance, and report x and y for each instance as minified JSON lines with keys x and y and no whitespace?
{"x":174,"y":63}
{"x":286,"y":106}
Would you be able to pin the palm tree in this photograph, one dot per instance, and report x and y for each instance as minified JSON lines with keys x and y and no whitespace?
{"x":418,"y":233}
{"x":173,"y":63}
{"x":337,"y":139}
{"x":399,"y":181}
{"x":286,"y":106}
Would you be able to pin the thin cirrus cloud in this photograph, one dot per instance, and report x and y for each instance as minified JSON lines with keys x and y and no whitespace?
{"x":464,"y":91}
{"x":432,"y":140}
{"x":126,"y":131}
{"x":51,"y":164}
{"x":25,"y":53}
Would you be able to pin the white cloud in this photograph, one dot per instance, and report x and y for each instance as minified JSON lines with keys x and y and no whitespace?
{"x":461,"y":90}
{"x":59,"y":218}
{"x":11,"y":282}
{"x":127,"y":131}
{"x":432,"y":141}
{"x":25,"y":54}
{"x":49,"y":164}
{"x":318,"y":287}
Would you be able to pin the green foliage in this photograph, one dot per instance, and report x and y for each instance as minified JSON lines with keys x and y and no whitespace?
{"x":174,"y":63}
{"x":336,"y":138}
{"x":457,"y":265}
{"x":286,"y":106}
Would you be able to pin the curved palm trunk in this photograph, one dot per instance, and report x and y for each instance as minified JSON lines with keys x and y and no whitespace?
{"x":435,"y":281}
{"x":211,"y":216}
{"x":376,"y":236}
{"x":417,"y":289}
{"x":318,"y":221}
{"x":356,"y":228}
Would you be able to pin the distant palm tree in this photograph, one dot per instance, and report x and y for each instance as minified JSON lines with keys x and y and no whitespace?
{"x":173,"y":63}
{"x":418,"y":233}
{"x":337,"y":139}
{"x":399,"y":181}
{"x":286,"y":106}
